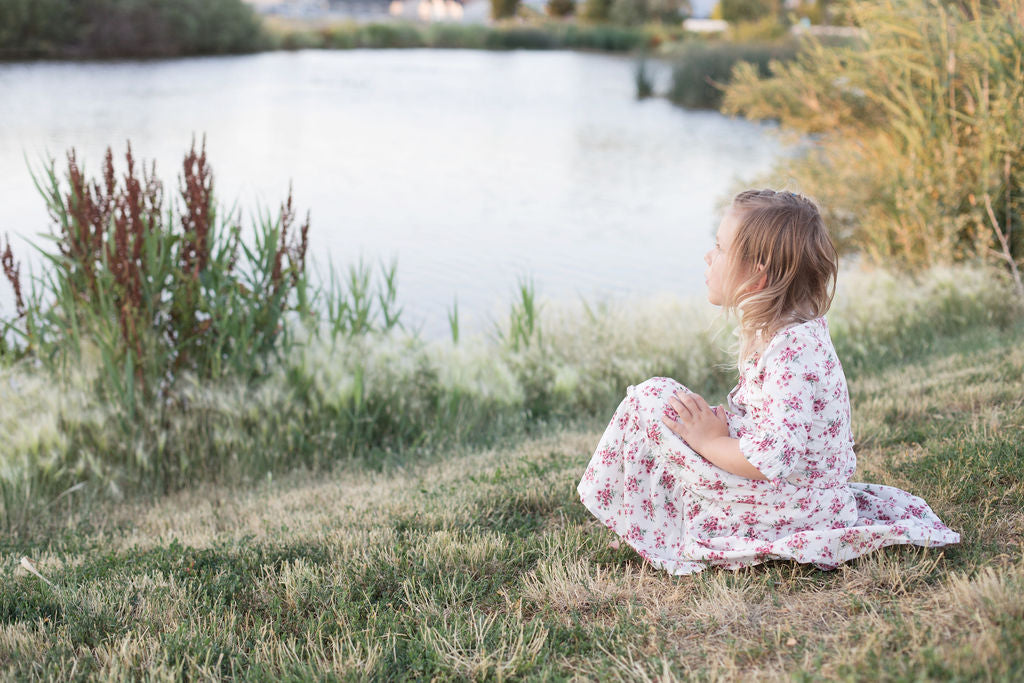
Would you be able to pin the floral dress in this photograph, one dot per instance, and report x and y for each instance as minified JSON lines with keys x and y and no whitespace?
{"x":791,"y":414}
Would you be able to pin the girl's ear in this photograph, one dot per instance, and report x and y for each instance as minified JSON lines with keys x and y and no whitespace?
{"x":762,"y":281}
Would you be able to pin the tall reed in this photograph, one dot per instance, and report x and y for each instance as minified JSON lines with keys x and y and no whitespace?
{"x":916,"y":134}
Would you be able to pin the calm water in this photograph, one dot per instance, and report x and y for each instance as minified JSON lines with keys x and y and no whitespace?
{"x":472,"y":168}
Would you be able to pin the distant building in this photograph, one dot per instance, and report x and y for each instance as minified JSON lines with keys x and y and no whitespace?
{"x":701,"y":9}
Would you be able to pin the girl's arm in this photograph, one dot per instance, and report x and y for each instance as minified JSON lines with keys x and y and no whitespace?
{"x":707,"y":432}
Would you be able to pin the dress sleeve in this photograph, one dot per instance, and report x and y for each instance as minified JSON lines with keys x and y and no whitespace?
{"x":780,"y":425}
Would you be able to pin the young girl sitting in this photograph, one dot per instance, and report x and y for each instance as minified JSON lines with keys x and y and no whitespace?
{"x":766,"y":476}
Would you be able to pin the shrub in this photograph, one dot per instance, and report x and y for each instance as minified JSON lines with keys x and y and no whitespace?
{"x":702,"y":69}
{"x":606,"y":37}
{"x":390,"y":36}
{"x":560,"y":8}
{"x":503,"y":9}
{"x":917,"y":147}
{"x":522,"y":38}
{"x":746,"y":10}
{"x":596,"y":10}
{"x":443,"y":34}
{"x":135,"y":28}
{"x":37,"y":28}
{"x":669,"y":11}
{"x":628,"y":12}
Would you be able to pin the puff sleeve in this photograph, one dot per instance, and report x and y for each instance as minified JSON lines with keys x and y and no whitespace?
{"x":780,"y":426}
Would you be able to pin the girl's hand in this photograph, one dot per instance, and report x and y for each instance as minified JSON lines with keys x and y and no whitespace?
{"x":698,"y":423}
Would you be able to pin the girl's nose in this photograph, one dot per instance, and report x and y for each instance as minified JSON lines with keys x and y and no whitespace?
{"x":707,"y":257}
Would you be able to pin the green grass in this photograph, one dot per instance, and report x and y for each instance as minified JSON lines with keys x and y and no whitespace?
{"x":481,"y":563}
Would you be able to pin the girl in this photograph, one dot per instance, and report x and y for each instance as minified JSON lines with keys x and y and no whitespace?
{"x":766,"y":476}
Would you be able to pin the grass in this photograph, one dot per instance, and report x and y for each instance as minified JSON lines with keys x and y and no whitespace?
{"x":481,"y":563}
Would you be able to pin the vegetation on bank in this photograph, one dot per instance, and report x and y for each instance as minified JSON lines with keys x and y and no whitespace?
{"x":701,"y":69}
{"x":89,"y":29}
{"x":33,"y":29}
{"x":915,"y":136}
{"x":511,"y":35}
{"x":185,"y":352}
{"x":483,"y":564}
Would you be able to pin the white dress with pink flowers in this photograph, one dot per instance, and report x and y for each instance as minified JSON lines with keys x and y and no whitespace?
{"x":791,"y":414}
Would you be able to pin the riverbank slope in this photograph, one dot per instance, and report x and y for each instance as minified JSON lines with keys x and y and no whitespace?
{"x":485,"y":564}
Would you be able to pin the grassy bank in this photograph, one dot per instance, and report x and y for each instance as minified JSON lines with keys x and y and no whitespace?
{"x":484,"y":564}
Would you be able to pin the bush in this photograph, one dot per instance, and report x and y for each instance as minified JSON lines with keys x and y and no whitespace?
{"x":560,"y":8}
{"x":606,"y":37}
{"x":522,"y":38}
{"x":702,"y":69}
{"x":127,"y":28}
{"x":390,"y":36}
{"x":596,"y":10}
{"x":669,"y":11}
{"x":503,"y":9}
{"x":746,"y":10}
{"x":918,"y":139}
{"x":450,"y":35}
{"x":628,"y":12}
{"x":38,"y":28}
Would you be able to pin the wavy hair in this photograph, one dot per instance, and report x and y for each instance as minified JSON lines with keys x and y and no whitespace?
{"x":784,"y":265}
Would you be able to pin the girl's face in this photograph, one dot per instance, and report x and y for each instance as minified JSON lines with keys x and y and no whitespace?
{"x":720,"y":261}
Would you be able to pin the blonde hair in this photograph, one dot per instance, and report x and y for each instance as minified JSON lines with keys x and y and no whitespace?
{"x":784,"y":265}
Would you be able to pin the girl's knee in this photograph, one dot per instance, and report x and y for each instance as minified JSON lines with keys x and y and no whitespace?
{"x":657,"y":388}
{"x":650,"y":398}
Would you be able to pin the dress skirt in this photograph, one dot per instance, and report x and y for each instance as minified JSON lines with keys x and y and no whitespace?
{"x":683,"y":514}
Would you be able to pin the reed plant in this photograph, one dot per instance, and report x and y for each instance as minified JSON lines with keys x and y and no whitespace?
{"x":161,"y":291}
{"x":915,"y":135}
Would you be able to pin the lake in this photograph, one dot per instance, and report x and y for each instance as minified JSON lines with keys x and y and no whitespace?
{"x":474,"y":169}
